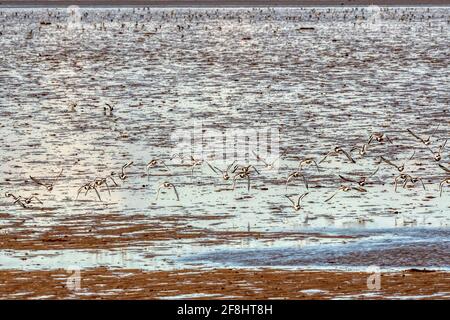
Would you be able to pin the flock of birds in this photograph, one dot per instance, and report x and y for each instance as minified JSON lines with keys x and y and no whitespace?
{"x":138,"y":16}
{"x":235,"y":172}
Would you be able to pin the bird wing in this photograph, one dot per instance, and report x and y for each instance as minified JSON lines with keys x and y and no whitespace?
{"x":414,"y":135}
{"x":348,"y":156}
{"x":176,"y":192}
{"x":332,"y":196}
{"x":211,"y":167}
{"x":301,"y":197}
{"x":229,"y":166}
{"x":293,"y":203}
{"x":37,"y":181}
{"x":347,"y":179}
{"x":375,"y":172}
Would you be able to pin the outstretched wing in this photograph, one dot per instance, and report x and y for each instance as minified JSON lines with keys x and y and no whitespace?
{"x":347,"y":179}
{"x":37,"y":181}
{"x":293,"y":203}
{"x":301,"y":197}
{"x":348,"y":156}
{"x":414,"y":135}
{"x":176,"y":192}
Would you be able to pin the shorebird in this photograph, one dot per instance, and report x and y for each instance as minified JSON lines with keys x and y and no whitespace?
{"x":400,"y":168}
{"x":225,"y":174}
{"x":426,"y":141}
{"x":336,"y":151}
{"x":441,"y":185}
{"x":380,"y":137}
{"x":47,"y":185}
{"x":155,"y":162}
{"x":346,"y":189}
{"x":87,"y":187}
{"x":122,"y":174}
{"x":195,"y":163}
{"x":104,"y":181}
{"x":108,"y":108}
{"x":17,"y":199}
{"x":404,"y":178}
{"x":72,"y":106}
{"x":167,"y":185}
{"x":297,"y":174}
{"x":244,"y":172}
{"x":362,"y":181}
{"x":437,"y":156}
{"x":362,"y":150}
{"x":269,"y":165}
{"x":307,"y":162}
{"x":297,"y":204}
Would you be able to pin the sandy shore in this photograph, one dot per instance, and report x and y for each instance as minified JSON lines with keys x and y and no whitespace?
{"x":104,"y":283}
{"x":215,"y":3}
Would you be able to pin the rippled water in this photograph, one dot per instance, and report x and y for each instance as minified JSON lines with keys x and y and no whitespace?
{"x":167,"y":71}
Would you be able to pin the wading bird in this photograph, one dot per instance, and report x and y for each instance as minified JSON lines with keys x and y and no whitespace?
{"x":122,"y":174}
{"x":362,"y":150}
{"x":155,"y":162}
{"x":224,"y":173}
{"x":243,"y":172}
{"x":307,"y":162}
{"x":17,"y":199}
{"x":426,"y":141}
{"x":167,"y":185}
{"x":48,"y":185}
{"x":437,"y":156}
{"x":346,"y":189}
{"x":268,"y":165}
{"x":362,"y":181}
{"x":441,"y":185}
{"x":379,"y":137}
{"x":88,"y":187}
{"x":405,"y":178}
{"x":297,"y":174}
{"x":337,"y":151}
{"x":297,"y":204}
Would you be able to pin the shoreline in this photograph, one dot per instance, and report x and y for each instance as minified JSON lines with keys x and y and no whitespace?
{"x":125,"y":284}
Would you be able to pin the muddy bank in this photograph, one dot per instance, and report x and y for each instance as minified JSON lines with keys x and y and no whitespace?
{"x":103,"y":283}
{"x":91,"y":231}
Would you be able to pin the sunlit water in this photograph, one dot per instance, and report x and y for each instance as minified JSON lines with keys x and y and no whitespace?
{"x":168,"y":71}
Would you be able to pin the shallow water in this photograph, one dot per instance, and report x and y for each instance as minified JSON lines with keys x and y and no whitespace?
{"x":227,"y":70}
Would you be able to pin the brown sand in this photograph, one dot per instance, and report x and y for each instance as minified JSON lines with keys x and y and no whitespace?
{"x":103,"y":283}
{"x":106,"y":231}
